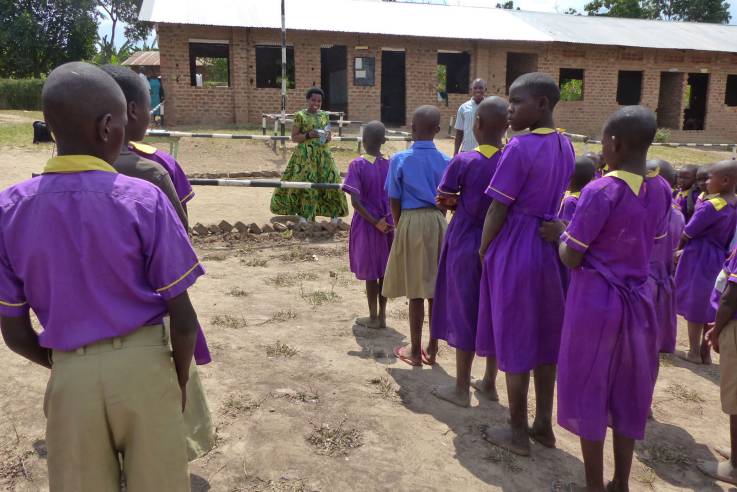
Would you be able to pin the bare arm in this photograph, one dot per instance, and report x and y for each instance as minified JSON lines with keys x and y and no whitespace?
{"x":20,"y":337}
{"x":495,"y":218}
{"x":396,"y":205}
{"x":458,"y":142}
{"x":358,"y":206}
{"x":569,"y":256}
{"x":299,"y":136}
{"x":183,"y":337}
{"x":725,"y":313}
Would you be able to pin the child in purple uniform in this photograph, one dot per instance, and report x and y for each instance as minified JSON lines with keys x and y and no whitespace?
{"x":723,"y":338}
{"x":662,"y":265}
{"x":371,"y":228}
{"x":583,"y":173}
{"x":608,"y":354}
{"x":522,"y":288}
{"x":455,"y":309}
{"x":704,"y":248}
{"x":688,"y":192}
{"x":176,"y":173}
{"x":101,"y":258}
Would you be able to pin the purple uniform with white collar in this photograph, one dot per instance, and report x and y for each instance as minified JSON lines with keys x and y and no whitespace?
{"x":94,"y":253}
{"x":455,"y":307}
{"x":568,"y":206}
{"x":609,"y":355}
{"x":177,"y":174}
{"x":709,"y":234}
{"x":522,"y":284}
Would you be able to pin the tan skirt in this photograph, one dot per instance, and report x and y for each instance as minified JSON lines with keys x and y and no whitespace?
{"x":413,"y":260}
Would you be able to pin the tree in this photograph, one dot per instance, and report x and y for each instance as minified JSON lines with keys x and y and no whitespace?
{"x":714,"y":11}
{"x":38,"y":35}
{"x":125,"y":11}
{"x":634,"y":9}
{"x":508,"y":5}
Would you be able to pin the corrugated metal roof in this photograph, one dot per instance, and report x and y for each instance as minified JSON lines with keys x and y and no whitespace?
{"x":143,"y":59}
{"x":441,"y":21}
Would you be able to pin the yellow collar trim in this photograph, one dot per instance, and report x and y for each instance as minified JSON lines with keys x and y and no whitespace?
{"x":76,"y":164}
{"x":718,"y":203}
{"x":372,"y":158}
{"x":543,"y":131}
{"x":486,"y":150}
{"x":654,"y":172}
{"x":574,"y":194}
{"x":634,"y":181}
{"x":142,"y":147}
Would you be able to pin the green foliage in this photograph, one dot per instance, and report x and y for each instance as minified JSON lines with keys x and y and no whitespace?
{"x":571,"y":90}
{"x":125,"y":11}
{"x":714,"y":11}
{"x":21,"y":94}
{"x":38,"y":35}
{"x":662,"y":135}
{"x":442,"y":79}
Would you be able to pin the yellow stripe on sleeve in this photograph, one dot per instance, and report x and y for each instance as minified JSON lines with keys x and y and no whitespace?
{"x":582,"y":244}
{"x":167,"y":287}
{"x":502,"y":193}
{"x":12,"y":304}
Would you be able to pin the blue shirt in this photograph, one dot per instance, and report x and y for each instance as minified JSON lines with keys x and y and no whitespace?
{"x":415,"y":173}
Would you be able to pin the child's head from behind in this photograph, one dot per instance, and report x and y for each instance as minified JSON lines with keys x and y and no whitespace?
{"x":137,"y":98}
{"x":491,"y":120}
{"x":702,"y":175}
{"x":686,"y":176}
{"x":722,"y":177}
{"x":532,"y":98}
{"x":85,"y":110}
{"x":627,"y":136}
{"x":315,"y":97}
{"x":595,"y":157}
{"x":583,"y":173}
{"x":374,"y":136}
{"x":664,"y":169}
{"x":425,"y":123}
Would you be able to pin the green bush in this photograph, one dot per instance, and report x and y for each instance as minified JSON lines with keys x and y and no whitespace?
{"x":662,"y":135}
{"x":21,"y":94}
{"x":571,"y":90}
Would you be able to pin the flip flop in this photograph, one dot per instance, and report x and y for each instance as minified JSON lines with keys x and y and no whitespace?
{"x":404,"y":358}
{"x":426,"y":358}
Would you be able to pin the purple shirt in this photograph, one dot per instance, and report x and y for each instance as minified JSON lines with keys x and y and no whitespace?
{"x":178,"y":177}
{"x":568,"y":206}
{"x":94,"y":253}
{"x":468,"y":175}
{"x":687,"y":200}
{"x":617,"y":226}
{"x":365,"y":179}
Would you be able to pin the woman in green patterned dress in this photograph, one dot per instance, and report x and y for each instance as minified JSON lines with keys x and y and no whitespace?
{"x":311,"y":162}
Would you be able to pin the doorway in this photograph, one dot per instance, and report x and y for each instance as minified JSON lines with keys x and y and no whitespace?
{"x":697,"y":89}
{"x":670,"y":99}
{"x":393,"y":88}
{"x":334,"y":78}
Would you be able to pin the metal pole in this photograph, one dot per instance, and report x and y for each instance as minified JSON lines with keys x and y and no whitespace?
{"x":283,"y":70}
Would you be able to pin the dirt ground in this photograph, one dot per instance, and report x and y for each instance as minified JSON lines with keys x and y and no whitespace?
{"x":304,"y":400}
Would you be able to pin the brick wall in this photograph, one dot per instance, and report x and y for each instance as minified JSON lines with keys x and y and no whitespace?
{"x":242,"y":103}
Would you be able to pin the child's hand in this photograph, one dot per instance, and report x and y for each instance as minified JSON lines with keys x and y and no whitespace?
{"x":383,"y":226}
{"x":551,"y":230}
{"x":677,"y":256}
{"x":446,"y":202}
{"x":712,"y":338}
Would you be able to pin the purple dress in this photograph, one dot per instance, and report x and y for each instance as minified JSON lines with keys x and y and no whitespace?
{"x":522,"y":294}
{"x":608,"y":355}
{"x":662,"y":281}
{"x":687,"y":201}
{"x":178,"y":177}
{"x":455,"y":308}
{"x":709,"y":234}
{"x":368,"y":248}
{"x":568,"y":206}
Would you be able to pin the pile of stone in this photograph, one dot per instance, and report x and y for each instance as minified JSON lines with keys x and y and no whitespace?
{"x":300,"y":230}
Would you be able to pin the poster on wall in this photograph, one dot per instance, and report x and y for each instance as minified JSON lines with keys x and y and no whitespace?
{"x":363,"y":70}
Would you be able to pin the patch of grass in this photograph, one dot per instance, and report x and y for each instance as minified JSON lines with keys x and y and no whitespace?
{"x":280,"y":349}
{"x":680,"y":392}
{"x":319,"y":297}
{"x":238,"y":292}
{"x":385,"y":388}
{"x":645,"y":475}
{"x":504,"y":458}
{"x":255,"y":262}
{"x":228,"y":321}
{"x":238,"y":404}
{"x":303,"y":396}
{"x":677,"y":156}
{"x":257,"y":484}
{"x":220,"y":256}
{"x":400,"y":314}
{"x":298,"y":254}
{"x":656,"y":453}
{"x":334,"y":440}
{"x":290,"y":279}
{"x":281,"y":317}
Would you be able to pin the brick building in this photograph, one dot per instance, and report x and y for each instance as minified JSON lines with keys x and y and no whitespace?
{"x":220,"y":62}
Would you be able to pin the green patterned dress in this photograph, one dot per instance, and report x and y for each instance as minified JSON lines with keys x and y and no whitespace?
{"x":311,"y":162}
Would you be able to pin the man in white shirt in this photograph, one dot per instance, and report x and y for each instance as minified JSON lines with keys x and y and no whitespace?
{"x":465,"y":139}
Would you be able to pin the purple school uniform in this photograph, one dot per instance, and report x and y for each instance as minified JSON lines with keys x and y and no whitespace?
{"x":568,"y":206}
{"x":728,"y":274}
{"x":522,"y":283}
{"x":687,"y":200}
{"x":178,"y":177}
{"x":608,"y":354}
{"x":94,"y":253}
{"x":368,"y":248}
{"x":709,"y":234}
{"x":455,"y":308}
{"x":662,"y":280}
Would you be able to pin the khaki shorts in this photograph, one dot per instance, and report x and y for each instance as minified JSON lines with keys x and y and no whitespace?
{"x":413,"y":260}
{"x":728,"y":367}
{"x":117,"y":396}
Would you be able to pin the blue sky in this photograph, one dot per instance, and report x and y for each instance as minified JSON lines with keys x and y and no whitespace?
{"x":534,"y":5}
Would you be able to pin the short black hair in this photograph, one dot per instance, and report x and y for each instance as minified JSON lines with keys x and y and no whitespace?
{"x":539,"y":85}
{"x":133,"y":86}
{"x":374,"y":129}
{"x":583,"y":173}
{"x":664,"y":169}
{"x":314,"y":90}
{"x":634,"y":125}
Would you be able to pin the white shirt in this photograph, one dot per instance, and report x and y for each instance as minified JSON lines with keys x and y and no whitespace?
{"x":464,"y":121}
